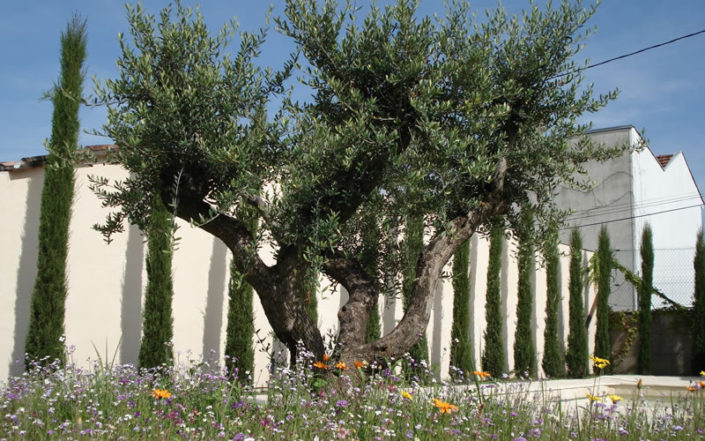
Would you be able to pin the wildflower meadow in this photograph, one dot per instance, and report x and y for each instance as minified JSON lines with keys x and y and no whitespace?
{"x":323,"y":400}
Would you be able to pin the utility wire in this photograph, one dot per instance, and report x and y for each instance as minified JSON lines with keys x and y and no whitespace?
{"x":601,"y":63}
{"x":603,"y":210}
{"x":630,"y":217}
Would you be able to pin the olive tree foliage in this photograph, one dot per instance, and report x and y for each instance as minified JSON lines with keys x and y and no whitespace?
{"x":454,"y":120}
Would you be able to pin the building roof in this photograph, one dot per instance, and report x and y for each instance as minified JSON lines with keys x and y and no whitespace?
{"x":663,"y":160}
{"x":99,"y":150}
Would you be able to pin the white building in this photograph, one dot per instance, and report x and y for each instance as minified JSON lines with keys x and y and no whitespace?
{"x":106,"y":285}
{"x":631,"y":191}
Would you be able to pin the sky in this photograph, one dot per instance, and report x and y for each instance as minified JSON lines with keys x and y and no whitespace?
{"x":661,"y":91}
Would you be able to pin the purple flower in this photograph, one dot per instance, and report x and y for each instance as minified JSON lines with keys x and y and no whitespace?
{"x":535,"y":432}
{"x":520,"y":438}
{"x":239,"y":437}
{"x":341,"y":403}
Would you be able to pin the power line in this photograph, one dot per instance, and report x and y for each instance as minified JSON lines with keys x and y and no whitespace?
{"x":620,"y":57}
{"x":630,"y":217}
{"x":606,"y":209}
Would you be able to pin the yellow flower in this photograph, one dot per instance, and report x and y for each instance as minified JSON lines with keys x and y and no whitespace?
{"x":702,"y":373}
{"x":592,"y":397}
{"x":341,"y":365}
{"x":161,"y":393}
{"x":407,"y":395}
{"x":444,"y":407}
{"x":320,"y":365}
{"x":615,"y":398}
{"x":599,"y":363}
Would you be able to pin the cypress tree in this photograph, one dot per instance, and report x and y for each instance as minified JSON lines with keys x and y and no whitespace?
{"x":48,"y":303}
{"x":370,"y":255}
{"x":577,"y":355}
{"x":553,"y":362}
{"x":239,"y":333}
{"x":412,"y":249}
{"x":156,"y":348}
{"x":493,"y":355}
{"x":462,"y":352}
{"x":645,"y":288}
{"x":699,"y":305}
{"x":604,"y":276}
{"x":240,"y":327}
{"x":524,"y":346}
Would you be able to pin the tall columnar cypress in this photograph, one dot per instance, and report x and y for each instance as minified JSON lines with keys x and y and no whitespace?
{"x":524,"y":346}
{"x":240,"y":329}
{"x":370,"y":243}
{"x":699,"y":305}
{"x":462,"y":352}
{"x":310,"y":289}
{"x":156,"y":347}
{"x":577,"y":355}
{"x":645,"y":288}
{"x":553,"y":362}
{"x":493,"y":354}
{"x":47,"y":310}
{"x":412,"y":249}
{"x":604,"y":277}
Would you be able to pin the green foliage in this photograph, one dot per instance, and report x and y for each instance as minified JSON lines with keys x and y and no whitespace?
{"x":645,"y":288}
{"x":156,"y":347}
{"x":699,"y":305}
{"x":240,"y":329}
{"x":604,"y":282}
{"x":413,"y":246}
{"x":47,"y":308}
{"x":553,"y":362}
{"x":370,"y":255}
{"x":493,"y":354}
{"x":462,"y":351}
{"x":453,"y":121}
{"x":524,"y":346}
{"x":577,"y":354}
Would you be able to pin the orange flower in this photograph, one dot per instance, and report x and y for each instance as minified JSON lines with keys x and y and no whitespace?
{"x":691,"y":388}
{"x":320,"y":365}
{"x":341,"y":365}
{"x":482,"y":374}
{"x":444,"y":407}
{"x":359,"y":364}
{"x":161,"y":393}
{"x":701,"y":383}
{"x":326,"y":357}
{"x":638,"y":384}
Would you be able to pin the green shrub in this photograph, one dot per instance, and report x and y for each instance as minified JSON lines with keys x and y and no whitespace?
{"x":524,"y":346}
{"x":604,"y":283}
{"x":553,"y":362}
{"x":47,"y":307}
{"x":462,"y":352}
{"x":577,"y":355}
{"x":699,"y":305}
{"x":240,"y":328}
{"x":156,"y":348}
{"x":645,"y":288}
{"x":493,"y":354}
{"x":413,"y":246}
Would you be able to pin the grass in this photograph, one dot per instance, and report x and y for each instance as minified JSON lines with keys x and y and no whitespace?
{"x":202,"y":402}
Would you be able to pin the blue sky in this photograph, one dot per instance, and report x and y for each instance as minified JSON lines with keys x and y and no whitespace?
{"x":661,"y":91}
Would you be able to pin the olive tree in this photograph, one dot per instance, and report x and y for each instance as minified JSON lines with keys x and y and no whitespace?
{"x":456,"y":121}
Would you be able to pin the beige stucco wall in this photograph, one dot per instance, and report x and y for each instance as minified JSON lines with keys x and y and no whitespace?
{"x":106,"y":282}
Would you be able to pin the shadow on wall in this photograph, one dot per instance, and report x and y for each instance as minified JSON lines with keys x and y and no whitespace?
{"x":213,"y":317}
{"x":27,"y":271}
{"x":131,"y":311}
